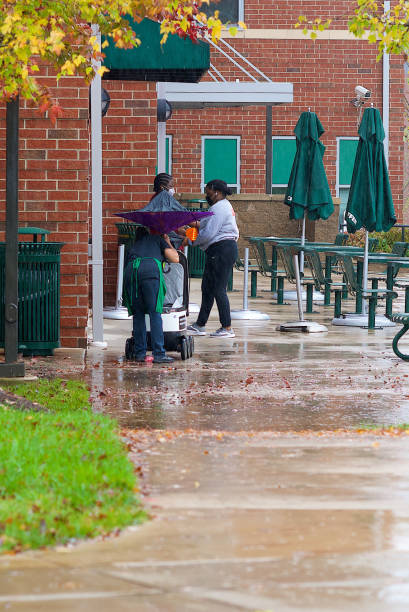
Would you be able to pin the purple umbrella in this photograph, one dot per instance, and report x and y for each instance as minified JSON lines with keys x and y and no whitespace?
{"x":164,"y":221}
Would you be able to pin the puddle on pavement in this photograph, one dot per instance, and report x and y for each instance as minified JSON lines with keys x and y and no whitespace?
{"x":256,"y":386}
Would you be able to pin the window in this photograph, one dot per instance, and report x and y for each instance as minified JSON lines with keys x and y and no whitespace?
{"x":230,"y":11}
{"x":168,"y":155}
{"x":221,"y":160}
{"x":346,"y":151}
{"x":284,"y":148}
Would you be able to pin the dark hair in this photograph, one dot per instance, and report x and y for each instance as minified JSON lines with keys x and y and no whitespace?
{"x":140,"y":232}
{"x":161,"y":180}
{"x":219,"y":185}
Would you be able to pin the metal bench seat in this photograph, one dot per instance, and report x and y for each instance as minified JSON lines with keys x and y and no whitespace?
{"x":317,"y":271}
{"x":355,"y":289}
{"x":403,"y":319}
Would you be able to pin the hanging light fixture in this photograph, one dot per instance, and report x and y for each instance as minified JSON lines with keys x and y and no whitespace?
{"x":164,"y":110}
{"x":105,"y":102}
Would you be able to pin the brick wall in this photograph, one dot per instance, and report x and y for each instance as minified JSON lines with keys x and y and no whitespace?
{"x":283,"y":14}
{"x":324,"y":74}
{"x":129,"y":160}
{"x":53,"y":192}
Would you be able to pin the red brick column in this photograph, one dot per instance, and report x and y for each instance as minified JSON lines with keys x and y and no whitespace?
{"x":53,"y":193}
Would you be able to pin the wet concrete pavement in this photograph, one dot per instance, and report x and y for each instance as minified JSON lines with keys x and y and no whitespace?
{"x":263,"y":495}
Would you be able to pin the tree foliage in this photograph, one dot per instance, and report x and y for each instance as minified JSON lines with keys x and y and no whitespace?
{"x":58,"y":33}
{"x":389,"y":30}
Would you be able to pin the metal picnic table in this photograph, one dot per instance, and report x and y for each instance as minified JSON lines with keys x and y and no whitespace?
{"x":328,"y":248}
{"x":277,"y":241}
{"x":391,"y":262}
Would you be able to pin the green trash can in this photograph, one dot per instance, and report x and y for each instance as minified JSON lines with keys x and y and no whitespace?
{"x":38,"y":293}
{"x":126,"y":234}
{"x":196,"y":257}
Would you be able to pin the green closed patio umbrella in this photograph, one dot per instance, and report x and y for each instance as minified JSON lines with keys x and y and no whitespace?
{"x":308,"y":191}
{"x":370,"y":203}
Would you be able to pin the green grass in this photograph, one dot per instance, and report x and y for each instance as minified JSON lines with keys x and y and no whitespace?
{"x":64,"y":474}
{"x":383,"y":427}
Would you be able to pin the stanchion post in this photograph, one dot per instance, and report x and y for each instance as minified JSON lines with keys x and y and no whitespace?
{"x":246,"y":279}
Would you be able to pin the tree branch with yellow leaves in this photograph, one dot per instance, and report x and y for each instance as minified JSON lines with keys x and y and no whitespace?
{"x":58,"y":33}
{"x":388,"y":29}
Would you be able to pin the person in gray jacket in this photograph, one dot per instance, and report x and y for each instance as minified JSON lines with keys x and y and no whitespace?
{"x":218,"y":237}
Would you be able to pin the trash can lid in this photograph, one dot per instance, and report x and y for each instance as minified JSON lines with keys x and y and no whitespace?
{"x":35,"y":231}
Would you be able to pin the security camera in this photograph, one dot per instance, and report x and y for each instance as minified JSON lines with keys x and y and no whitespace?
{"x":362,"y":92}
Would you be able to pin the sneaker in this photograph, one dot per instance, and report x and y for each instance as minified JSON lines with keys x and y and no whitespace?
{"x":163,"y":359}
{"x":196,"y":330}
{"x":222,"y":332}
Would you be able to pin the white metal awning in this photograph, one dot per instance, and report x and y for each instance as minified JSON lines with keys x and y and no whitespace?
{"x":210,"y":93}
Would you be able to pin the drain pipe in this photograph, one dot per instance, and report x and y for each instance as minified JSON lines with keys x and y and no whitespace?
{"x":386,"y":90}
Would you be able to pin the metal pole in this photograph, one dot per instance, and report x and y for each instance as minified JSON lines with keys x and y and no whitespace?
{"x":302,"y":244}
{"x":96,"y":198}
{"x":120,"y":277}
{"x":385,"y":92}
{"x":365,"y":273}
{"x":298,"y":287}
{"x":246,"y":279}
{"x":247,"y":314}
{"x":269,"y":148}
{"x":11,"y":368}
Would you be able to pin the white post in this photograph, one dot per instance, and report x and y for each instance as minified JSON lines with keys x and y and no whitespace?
{"x":120,"y":277}
{"x":385,"y":92}
{"x":96,"y":199}
{"x":246,"y":279}
{"x":161,"y":134}
{"x":247,"y":314}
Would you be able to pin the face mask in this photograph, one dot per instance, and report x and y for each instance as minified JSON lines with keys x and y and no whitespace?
{"x":209,"y":200}
{"x":171,"y":191}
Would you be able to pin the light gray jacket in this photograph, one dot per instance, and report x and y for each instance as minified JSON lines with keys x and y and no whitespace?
{"x":220,"y":226}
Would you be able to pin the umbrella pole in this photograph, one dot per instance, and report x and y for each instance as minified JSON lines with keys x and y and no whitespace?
{"x":302,"y":244}
{"x":365,"y":273}
{"x":298,"y":286}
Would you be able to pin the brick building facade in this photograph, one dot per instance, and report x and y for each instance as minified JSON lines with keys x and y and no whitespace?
{"x":55,"y":161}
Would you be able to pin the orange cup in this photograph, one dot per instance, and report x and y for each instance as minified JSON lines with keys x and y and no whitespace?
{"x":192,"y":233}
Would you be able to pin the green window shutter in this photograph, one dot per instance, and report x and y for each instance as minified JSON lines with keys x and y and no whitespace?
{"x":220,"y":160}
{"x":347,"y":152}
{"x":167,"y":153}
{"x":283,"y":157}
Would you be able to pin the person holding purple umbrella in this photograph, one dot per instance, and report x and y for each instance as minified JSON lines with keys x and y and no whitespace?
{"x":218,"y":237}
{"x":145,"y":289}
{"x":163,"y":199}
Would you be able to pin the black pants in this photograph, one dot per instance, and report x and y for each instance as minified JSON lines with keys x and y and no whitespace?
{"x":145,"y":302}
{"x":220,"y":258}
